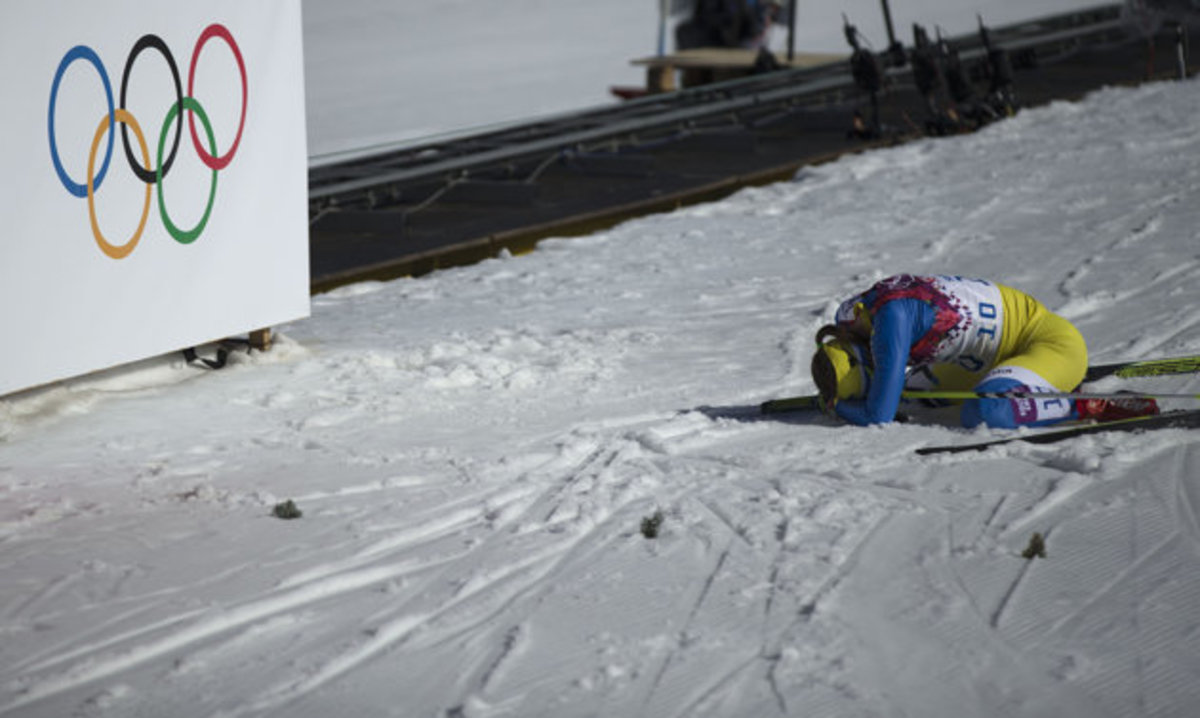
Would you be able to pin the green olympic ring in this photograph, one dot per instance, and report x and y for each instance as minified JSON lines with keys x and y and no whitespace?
{"x":180,"y":235}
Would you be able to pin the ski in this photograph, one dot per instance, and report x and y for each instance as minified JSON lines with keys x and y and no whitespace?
{"x":1188,"y":418}
{"x":1148,"y":367}
{"x":791,"y":403}
{"x":1123,"y":369}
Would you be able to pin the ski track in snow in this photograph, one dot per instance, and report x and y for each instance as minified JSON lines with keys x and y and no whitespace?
{"x":475,"y":453}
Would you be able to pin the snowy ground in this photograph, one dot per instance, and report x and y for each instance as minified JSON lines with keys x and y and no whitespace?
{"x":475,"y":452}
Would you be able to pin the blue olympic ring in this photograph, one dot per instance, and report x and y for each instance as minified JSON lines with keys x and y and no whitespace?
{"x":81,"y":52}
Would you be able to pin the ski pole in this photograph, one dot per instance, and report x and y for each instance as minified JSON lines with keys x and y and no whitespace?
{"x":947,"y":394}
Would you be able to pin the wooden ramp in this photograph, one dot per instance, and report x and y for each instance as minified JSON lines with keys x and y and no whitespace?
{"x":704,"y":65}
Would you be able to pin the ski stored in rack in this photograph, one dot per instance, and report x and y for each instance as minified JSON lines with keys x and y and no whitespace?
{"x":1189,"y":418}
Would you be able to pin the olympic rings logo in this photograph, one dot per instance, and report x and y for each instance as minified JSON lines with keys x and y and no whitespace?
{"x":150,"y":174}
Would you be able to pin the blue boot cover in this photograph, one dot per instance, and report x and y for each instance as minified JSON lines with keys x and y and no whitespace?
{"x":1011,"y":413}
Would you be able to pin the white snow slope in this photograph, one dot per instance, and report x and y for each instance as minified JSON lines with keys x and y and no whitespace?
{"x":475,"y":452}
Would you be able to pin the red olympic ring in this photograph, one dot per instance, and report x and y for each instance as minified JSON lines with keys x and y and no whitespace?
{"x":216,"y":30}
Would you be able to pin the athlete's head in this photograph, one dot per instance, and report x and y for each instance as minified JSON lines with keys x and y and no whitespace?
{"x":839,"y":366}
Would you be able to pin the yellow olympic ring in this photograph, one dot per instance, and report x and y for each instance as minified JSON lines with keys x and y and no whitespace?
{"x":115,"y":251}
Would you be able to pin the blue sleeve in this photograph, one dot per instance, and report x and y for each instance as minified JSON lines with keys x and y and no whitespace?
{"x":895,"y":327}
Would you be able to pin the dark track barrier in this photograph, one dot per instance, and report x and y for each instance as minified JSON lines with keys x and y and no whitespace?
{"x":406,"y":210}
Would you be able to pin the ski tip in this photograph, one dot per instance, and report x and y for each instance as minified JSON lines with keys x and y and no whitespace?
{"x":795,"y":403}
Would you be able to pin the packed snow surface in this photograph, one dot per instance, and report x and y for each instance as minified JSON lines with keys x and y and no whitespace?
{"x":477,"y":452}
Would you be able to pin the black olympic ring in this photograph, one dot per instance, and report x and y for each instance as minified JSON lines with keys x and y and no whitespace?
{"x":156,"y":42}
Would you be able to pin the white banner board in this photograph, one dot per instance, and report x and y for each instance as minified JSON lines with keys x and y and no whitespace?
{"x":153,"y":176}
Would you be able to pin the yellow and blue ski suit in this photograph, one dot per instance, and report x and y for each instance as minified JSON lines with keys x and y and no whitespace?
{"x":959,"y":333}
